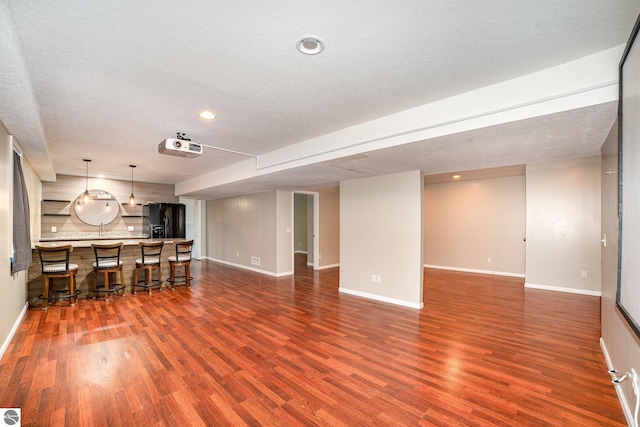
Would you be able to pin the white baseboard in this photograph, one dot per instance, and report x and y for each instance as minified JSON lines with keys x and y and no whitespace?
{"x":628,"y":414}
{"x":324,"y":267}
{"x":561,"y":289}
{"x":472,"y":270}
{"x":255,"y":270}
{"x":381,"y":298}
{"x":6,"y":342}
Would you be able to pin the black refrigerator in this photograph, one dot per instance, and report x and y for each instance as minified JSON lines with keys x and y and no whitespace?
{"x":164,"y":220}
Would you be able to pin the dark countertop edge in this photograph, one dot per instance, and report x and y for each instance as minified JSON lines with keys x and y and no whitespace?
{"x":75,"y":239}
{"x":87,"y":243}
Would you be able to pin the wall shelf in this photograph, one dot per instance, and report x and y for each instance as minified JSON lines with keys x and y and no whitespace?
{"x":56,"y":214}
{"x":56,"y":200}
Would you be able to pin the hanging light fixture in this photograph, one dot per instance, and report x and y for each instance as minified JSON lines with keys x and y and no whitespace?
{"x":107,"y":207}
{"x":86,"y":197}
{"x":132,"y":199}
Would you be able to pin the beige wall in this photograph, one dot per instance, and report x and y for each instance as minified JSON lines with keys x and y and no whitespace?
{"x":284,"y":244}
{"x":229,"y":219}
{"x":381,"y":234}
{"x":563,"y":225}
{"x":468,"y":222}
{"x":13,"y":288}
{"x":619,"y":342}
{"x":239,"y":228}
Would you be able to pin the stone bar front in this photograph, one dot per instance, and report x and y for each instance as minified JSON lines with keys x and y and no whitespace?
{"x":83,"y":256}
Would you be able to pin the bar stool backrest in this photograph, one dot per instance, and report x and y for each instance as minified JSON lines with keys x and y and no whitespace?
{"x":151,"y":251}
{"x":183,"y":250}
{"x":107,"y":256}
{"x":54,"y":260}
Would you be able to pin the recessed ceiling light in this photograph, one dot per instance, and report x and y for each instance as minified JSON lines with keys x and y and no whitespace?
{"x":207,"y":115}
{"x":310,"y":45}
{"x":456,"y":176}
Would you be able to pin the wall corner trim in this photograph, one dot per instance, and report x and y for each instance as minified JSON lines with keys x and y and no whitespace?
{"x":475,"y":270}
{"x":244,"y":267}
{"x":561,"y":289}
{"x":381,"y":298}
{"x":6,"y":342}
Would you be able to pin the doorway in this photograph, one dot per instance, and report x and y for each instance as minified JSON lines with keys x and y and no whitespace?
{"x":305,"y":230}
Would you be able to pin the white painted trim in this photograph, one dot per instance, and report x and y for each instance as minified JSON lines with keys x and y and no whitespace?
{"x":628,"y":414}
{"x":472,"y":270}
{"x":324,"y":267}
{"x":541,"y":93}
{"x":381,"y":298}
{"x":316,"y":226}
{"x":255,"y":270}
{"x":6,"y":342}
{"x":300,"y":252}
{"x":562,"y":289}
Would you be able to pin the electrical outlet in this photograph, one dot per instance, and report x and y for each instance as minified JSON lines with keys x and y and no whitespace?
{"x":54,"y":229}
{"x":373,"y":277}
{"x":255,"y":260}
{"x":378,"y":278}
{"x":584,"y":274}
{"x":130,"y":228}
{"x":488,"y":259}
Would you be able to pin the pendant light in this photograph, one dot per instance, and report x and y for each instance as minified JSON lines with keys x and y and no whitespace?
{"x":86,"y":197}
{"x":132,"y":199}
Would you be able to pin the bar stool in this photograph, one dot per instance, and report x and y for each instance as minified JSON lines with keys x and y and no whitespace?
{"x":182,"y":258}
{"x":108,"y":263}
{"x":54,"y":262}
{"x":150,"y":260}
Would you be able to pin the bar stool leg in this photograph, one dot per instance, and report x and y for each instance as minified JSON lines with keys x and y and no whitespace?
{"x":95,"y":283}
{"x":72,"y":288}
{"x":187,"y":272}
{"x":122,"y":282}
{"x":45,"y":293}
{"x":148,"y":278}
{"x":134,"y":289}
{"x":107,"y":279}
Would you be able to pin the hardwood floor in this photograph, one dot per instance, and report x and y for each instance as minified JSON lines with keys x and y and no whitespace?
{"x":240,"y":348}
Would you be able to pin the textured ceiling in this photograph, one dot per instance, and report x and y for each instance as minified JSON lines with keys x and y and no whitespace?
{"x":109,"y":80}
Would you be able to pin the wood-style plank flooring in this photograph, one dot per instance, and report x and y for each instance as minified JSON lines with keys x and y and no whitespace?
{"x":241,"y":348}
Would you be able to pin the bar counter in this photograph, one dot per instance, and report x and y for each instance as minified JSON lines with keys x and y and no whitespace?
{"x":83,"y":256}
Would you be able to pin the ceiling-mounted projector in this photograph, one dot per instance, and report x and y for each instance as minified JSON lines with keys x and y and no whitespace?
{"x":180,"y":148}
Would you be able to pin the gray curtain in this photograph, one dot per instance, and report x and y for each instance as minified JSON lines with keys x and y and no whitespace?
{"x":21,"y":218}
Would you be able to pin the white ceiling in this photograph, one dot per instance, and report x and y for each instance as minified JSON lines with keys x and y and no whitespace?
{"x":109,"y":80}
